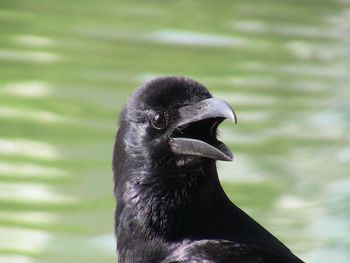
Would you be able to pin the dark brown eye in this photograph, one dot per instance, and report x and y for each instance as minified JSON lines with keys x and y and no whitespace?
{"x":159,"y":121}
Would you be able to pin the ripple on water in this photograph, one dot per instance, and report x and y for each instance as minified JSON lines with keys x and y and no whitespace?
{"x":176,"y":37}
{"x":293,"y":202}
{"x":29,"y":217}
{"x":44,"y":57}
{"x":246,"y":99}
{"x":344,"y":155}
{"x":31,"y":114}
{"x":28,"y":148}
{"x":105,"y":242}
{"x":30,"y":193}
{"x":23,"y":240}
{"x":30,"y":169}
{"x":256,"y":26}
{"x":34,"y":40}
{"x":29,"y":89}
{"x":16,"y":259}
{"x":242,"y":169}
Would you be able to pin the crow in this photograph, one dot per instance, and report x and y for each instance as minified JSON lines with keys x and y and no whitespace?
{"x":171,"y":206}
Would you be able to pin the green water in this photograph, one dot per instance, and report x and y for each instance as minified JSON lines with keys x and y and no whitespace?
{"x":67,"y":67}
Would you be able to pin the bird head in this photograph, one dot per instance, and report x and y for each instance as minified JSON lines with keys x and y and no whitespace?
{"x":165,"y":153}
{"x":173,"y":121}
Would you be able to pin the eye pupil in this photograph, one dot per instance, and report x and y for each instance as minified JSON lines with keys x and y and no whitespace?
{"x":159,"y":121}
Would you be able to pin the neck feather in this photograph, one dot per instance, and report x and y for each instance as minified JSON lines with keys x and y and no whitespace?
{"x":167,"y":204}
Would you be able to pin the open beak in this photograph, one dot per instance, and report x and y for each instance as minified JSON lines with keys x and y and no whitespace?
{"x":195,"y":132}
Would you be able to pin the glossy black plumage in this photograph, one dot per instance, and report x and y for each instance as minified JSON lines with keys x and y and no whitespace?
{"x":170,"y":204}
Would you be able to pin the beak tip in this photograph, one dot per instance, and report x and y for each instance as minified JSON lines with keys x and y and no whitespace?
{"x":231,"y":114}
{"x":233,"y":117}
{"x":235,"y":120}
{"x":229,"y":158}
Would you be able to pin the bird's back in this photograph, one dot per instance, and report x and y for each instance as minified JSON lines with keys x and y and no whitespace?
{"x":224,"y":251}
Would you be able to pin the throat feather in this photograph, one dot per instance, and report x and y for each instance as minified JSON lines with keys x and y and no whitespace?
{"x":168,"y":206}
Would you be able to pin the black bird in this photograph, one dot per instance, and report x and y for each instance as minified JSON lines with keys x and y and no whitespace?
{"x":170,"y":204}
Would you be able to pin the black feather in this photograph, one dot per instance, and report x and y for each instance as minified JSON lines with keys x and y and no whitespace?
{"x":171,"y":207}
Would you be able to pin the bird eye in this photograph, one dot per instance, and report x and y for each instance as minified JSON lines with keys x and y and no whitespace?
{"x":159,"y":121}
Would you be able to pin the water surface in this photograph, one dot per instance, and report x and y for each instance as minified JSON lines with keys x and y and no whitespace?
{"x":67,"y":68}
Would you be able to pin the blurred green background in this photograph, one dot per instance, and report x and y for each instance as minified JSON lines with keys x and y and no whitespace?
{"x":67,"y":68}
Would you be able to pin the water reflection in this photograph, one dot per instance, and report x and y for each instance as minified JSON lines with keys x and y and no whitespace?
{"x":67,"y":69}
